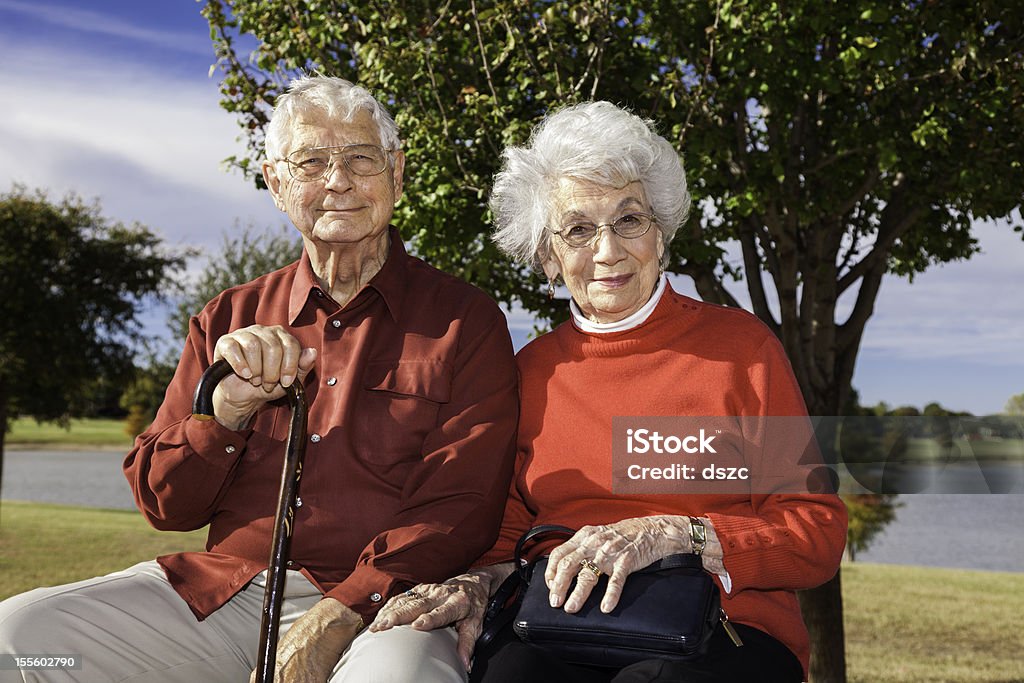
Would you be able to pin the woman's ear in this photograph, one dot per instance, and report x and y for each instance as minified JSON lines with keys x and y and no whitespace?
{"x":551,"y":268}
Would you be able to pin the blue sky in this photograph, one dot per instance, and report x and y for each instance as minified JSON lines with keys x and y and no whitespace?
{"x":113,"y":100}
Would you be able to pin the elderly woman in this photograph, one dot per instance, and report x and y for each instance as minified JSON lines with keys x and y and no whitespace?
{"x":594,"y":201}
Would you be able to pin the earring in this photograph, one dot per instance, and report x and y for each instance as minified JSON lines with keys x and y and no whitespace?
{"x":551,"y":289}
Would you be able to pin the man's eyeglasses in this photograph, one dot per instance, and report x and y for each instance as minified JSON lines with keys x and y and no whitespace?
{"x":313,"y":163}
{"x":584,"y":234}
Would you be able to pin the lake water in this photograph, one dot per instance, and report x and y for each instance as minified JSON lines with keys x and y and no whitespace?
{"x":969,"y":531}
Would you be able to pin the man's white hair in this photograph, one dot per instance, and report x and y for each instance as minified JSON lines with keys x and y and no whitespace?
{"x":597,"y":142}
{"x":335,"y":97}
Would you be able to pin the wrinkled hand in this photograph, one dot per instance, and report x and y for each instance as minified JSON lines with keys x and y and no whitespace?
{"x":618,"y":550}
{"x":460,"y":602}
{"x":265,"y":360}
{"x":311,"y":648}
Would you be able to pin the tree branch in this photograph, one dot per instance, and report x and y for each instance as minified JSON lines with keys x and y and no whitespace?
{"x":697,"y":96}
{"x":483,"y":58}
{"x":708,"y":285}
{"x":752,"y":268}
{"x":897,"y":219}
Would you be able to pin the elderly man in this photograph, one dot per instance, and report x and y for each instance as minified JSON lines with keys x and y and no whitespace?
{"x":413,"y":408}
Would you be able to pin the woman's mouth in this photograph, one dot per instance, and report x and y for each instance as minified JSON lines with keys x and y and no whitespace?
{"x":614,"y":281}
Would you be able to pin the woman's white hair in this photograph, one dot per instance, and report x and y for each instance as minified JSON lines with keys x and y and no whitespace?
{"x":597,"y":142}
{"x":335,"y":97}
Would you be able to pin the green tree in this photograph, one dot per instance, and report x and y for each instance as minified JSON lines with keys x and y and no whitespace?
{"x":70,"y":286}
{"x":143,"y":395}
{"x":869,"y":514}
{"x":245,"y":254}
{"x":833,"y":142}
{"x":1015,"y":405}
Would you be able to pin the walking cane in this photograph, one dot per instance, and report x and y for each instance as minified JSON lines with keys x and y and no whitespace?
{"x":202,"y":409}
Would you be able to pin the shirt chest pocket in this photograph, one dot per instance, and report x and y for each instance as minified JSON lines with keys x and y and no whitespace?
{"x":402,"y":401}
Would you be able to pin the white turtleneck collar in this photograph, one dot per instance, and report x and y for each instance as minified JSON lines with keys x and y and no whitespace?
{"x":627,"y":323}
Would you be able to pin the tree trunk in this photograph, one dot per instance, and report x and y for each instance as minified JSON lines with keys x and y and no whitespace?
{"x":3,"y":428}
{"x":822,"y":608}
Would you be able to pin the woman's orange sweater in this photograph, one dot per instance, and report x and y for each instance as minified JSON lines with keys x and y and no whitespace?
{"x":687,"y":358}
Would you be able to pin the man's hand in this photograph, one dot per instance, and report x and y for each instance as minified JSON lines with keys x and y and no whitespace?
{"x":265,"y":360}
{"x":311,"y":648}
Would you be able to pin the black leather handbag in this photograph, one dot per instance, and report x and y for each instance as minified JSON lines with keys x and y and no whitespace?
{"x":667,"y":610}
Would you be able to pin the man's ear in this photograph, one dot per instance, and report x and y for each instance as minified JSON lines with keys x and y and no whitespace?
{"x":398,"y":174}
{"x":273,"y":181}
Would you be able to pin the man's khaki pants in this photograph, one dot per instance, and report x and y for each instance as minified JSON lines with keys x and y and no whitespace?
{"x":132,"y":626}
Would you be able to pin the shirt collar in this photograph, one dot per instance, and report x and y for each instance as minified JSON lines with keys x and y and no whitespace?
{"x":627,"y":323}
{"x":389,"y":282}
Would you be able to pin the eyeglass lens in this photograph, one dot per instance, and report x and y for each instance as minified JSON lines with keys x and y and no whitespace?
{"x":315,"y":163}
{"x":630,"y":226}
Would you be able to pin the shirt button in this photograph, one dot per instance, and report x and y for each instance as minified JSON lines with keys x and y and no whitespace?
{"x":331,"y":381}
{"x":298,"y":502}
{"x":229,"y":449}
{"x":315,"y":438}
{"x":376,"y":597}
{"x":336,"y":323}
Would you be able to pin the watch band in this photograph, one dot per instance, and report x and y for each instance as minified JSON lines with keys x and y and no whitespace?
{"x":698,"y":535}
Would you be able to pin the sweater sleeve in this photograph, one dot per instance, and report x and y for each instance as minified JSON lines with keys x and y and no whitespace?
{"x":793,"y":539}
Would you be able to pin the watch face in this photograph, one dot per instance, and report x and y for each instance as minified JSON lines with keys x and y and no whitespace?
{"x":697,"y":531}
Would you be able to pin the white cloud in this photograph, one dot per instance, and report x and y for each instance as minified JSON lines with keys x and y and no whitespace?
{"x":969,"y":310}
{"x":147,"y":144}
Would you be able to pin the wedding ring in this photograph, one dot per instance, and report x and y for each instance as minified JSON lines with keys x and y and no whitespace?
{"x":589,"y":564}
{"x":412,"y":594}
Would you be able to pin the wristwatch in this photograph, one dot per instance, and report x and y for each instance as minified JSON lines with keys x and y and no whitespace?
{"x":698,"y":535}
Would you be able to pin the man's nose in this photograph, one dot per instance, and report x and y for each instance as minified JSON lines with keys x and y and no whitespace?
{"x":338,"y":177}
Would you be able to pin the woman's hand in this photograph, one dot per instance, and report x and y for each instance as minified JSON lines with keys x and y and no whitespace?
{"x":618,"y":550}
{"x":460,"y":602}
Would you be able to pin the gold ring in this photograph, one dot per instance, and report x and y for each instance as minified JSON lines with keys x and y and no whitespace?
{"x":589,"y":564}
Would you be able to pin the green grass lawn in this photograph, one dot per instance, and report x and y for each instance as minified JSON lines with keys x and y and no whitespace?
{"x":903,"y":624}
{"x":942,"y":625}
{"x":44,"y":545}
{"x":83,"y":433}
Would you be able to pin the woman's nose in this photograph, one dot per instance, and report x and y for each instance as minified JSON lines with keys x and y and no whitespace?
{"x":607,"y":246}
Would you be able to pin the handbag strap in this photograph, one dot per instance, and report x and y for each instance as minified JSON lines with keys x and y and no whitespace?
{"x":677,"y":561}
{"x":533,"y":534}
